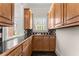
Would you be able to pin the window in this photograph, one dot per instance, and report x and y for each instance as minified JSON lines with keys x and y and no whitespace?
{"x":10,"y":32}
{"x":40,"y":24}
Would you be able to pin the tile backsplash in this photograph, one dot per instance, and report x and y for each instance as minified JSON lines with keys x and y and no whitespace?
{"x":28,"y":32}
{"x":52,"y":32}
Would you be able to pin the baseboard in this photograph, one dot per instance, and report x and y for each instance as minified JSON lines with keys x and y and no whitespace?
{"x":58,"y":53}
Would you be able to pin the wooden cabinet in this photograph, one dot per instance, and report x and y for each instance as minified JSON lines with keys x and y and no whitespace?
{"x":6,"y":14}
{"x":16,"y":52}
{"x":27,"y":19}
{"x":31,"y":19}
{"x":22,"y":49}
{"x":71,"y":14}
{"x":37,"y":43}
{"x":51,"y":18}
{"x":58,"y":14}
{"x":65,"y":15}
{"x":40,"y":43}
{"x":27,"y":47}
{"x":52,"y":43}
{"x":26,"y":51}
{"x":43,"y":43}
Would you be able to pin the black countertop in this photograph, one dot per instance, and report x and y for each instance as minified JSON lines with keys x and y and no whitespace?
{"x":8,"y":44}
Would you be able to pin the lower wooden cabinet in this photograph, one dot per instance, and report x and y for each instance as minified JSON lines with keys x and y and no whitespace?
{"x":26,"y":51}
{"x":22,"y":49}
{"x":27,"y":47}
{"x":16,"y":52}
{"x":52,"y":43}
{"x":37,"y":43}
{"x":43,"y":43}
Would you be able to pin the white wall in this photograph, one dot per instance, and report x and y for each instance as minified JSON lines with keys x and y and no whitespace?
{"x":67,"y":41}
{"x":19,"y":18}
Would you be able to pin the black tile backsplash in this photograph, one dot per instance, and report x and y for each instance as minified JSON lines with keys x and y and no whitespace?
{"x":52,"y":32}
{"x":1,"y":47}
{"x":28,"y":32}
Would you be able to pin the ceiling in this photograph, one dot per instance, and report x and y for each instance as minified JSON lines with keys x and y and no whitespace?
{"x":38,"y":8}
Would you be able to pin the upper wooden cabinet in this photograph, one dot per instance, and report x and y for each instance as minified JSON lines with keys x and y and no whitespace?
{"x":65,"y":15}
{"x":51,"y":17}
{"x":58,"y":14}
{"x":71,"y":14}
{"x":6,"y":14}
{"x":27,"y":18}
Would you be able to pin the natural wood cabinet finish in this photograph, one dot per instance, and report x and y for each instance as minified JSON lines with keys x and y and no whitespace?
{"x":31,"y":19}
{"x":22,"y":49}
{"x":27,"y":47}
{"x":43,"y":43}
{"x":27,"y":18}
{"x":6,"y":14}
{"x":52,"y":43}
{"x":71,"y":13}
{"x":37,"y":43}
{"x":16,"y":52}
{"x":58,"y":14}
{"x":65,"y":15}
{"x":51,"y":18}
{"x":26,"y":51}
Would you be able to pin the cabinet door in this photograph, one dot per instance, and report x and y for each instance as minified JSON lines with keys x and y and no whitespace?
{"x":51,"y":18}
{"x":71,"y":13}
{"x":45,"y":43}
{"x":49,"y":24}
{"x":27,"y":47}
{"x":7,"y":10}
{"x":26,"y":19}
{"x":6,"y":14}
{"x":26,"y":51}
{"x":58,"y":14}
{"x":52,"y":43}
{"x":30,"y":19}
{"x":30,"y":49}
{"x":16,"y":52}
{"x":37,"y":43}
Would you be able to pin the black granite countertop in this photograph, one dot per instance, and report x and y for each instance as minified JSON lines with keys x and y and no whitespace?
{"x":8,"y":44}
